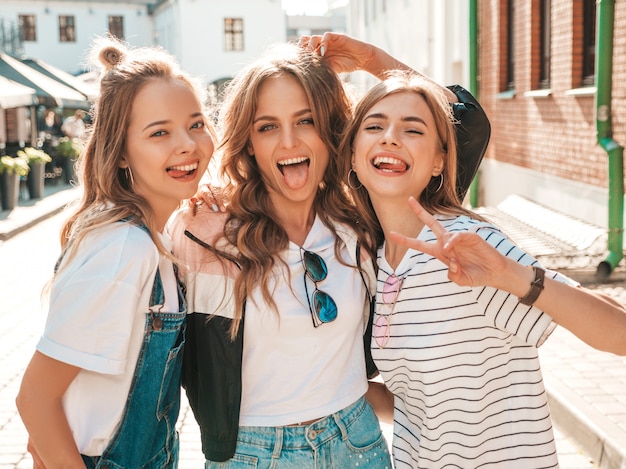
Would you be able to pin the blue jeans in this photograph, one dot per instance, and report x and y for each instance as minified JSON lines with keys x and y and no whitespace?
{"x":348,"y":438}
{"x":146,"y":436}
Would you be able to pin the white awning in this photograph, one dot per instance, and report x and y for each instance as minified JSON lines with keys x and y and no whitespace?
{"x":13,"y":94}
{"x":49,"y":92}
{"x":65,"y":78}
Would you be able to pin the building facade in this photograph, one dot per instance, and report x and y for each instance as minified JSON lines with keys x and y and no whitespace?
{"x":212,"y":39}
{"x":429,"y":35}
{"x":60,"y":32}
{"x":537,"y":62}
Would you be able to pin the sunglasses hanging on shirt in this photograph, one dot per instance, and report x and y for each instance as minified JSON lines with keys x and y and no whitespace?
{"x":382,"y":325}
{"x":322,"y":307}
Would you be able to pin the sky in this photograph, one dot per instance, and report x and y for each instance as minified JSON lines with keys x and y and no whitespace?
{"x":305,"y":7}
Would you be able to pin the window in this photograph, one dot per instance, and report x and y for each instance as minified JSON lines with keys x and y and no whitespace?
{"x":67,"y":29}
{"x":589,"y":42}
{"x":510,"y":43}
{"x":506,"y":50}
{"x":545,"y":41}
{"x":28,"y":27}
{"x":233,"y":34}
{"x":116,"y":26}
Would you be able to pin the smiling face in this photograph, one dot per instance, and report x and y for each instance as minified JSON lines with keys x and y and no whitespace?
{"x":397,"y":149}
{"x":168,"y":145}
{"x":288,"y":150}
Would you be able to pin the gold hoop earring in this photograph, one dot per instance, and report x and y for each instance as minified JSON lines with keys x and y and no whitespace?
{"x":350,"y":173}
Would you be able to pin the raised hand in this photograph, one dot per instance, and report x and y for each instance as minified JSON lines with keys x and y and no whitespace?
{"x":346,"y":54}
{"x":343,"y":53}
{"x":470,"y":259}
{"x":210,"y":195}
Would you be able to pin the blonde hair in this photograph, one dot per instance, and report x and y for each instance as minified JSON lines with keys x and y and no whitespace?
{"x":108,"y":195}
{"x":442,"y":200}
{"x":251,"y":226}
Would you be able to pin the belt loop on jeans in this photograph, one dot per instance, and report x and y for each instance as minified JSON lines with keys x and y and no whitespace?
{"x":342,"y":427}
{"x":278,"y":443}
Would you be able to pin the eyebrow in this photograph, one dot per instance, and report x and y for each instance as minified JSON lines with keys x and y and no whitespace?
{"x":380,"y":115}
{"x":270,"y":118}
{"x":163,"y":122}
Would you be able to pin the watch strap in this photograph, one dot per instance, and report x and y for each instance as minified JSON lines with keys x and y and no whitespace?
{"x":536,"y":286}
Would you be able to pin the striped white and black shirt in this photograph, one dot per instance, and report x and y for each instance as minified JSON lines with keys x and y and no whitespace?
{"x":462,"y":363}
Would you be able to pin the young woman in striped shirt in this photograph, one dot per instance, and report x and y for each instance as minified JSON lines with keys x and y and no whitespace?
{"x":460,"y":310}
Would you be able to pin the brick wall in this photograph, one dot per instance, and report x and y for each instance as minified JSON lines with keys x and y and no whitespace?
{"x":554,"y":134}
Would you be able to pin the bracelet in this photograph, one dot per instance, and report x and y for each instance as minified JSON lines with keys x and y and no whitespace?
{"x":535,"y":287}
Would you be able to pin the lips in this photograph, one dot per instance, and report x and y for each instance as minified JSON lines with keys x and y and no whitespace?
{"x":389,"y":164}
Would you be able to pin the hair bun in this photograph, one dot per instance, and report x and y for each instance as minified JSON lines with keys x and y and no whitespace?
{"x":111,"y":56}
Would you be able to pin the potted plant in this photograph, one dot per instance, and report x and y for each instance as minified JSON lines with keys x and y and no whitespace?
{"x":11,"y":169}
{"x":69,"y":149}
{"x":36,"y":160}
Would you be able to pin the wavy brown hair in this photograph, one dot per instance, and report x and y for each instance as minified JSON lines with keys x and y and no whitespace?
{"x":107,"y":194}
{"x":445,"y":200}
{"x":252,"y":225}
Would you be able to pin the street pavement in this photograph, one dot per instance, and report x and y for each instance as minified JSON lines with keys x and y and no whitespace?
{"x":587,"y":388}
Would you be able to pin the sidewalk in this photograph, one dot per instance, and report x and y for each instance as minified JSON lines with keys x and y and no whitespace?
{"x":586,"y":388}
{"x":30,"y":212}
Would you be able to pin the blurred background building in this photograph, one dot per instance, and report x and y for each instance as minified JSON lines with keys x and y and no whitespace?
{"x":551,"y":74}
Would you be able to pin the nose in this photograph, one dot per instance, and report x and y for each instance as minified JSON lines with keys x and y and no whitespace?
{"x":186,"y":143}
{"x":288,"y":138}
{"x":389,"y":136}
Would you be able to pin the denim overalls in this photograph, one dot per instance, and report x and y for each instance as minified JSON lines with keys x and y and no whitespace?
{"x":146,"y":436}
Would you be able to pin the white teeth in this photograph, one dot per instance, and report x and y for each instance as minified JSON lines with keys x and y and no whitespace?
{"x":187,"y":167}
{"x":386,"y":159}
{"x":300,"y":159}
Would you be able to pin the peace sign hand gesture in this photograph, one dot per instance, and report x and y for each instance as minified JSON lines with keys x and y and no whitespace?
{"x":471,"y":260}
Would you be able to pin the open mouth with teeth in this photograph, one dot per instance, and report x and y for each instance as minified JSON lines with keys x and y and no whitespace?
{"x":389,"y":164}
{"x":182,"y":170}
{"x":295,"y":171}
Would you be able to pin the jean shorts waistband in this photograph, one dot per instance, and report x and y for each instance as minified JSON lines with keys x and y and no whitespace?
{"x":304,"y":436}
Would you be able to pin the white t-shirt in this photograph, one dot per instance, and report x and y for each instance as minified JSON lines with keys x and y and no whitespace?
{"x":96,"y":322}
{"x":292,"y":371}
{"x":462,"y":363}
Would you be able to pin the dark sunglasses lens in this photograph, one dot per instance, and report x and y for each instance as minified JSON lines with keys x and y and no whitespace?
{"x":315,"y":266}
{"x":325,"y":306}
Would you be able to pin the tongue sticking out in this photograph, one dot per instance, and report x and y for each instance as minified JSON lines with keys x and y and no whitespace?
{"x":177,"y":173}
{"x":391,"y":167}
{"x":295,"y":175}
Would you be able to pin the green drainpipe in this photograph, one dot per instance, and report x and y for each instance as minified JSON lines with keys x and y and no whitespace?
{"x":473,"y":78}
{"x":615,"y":152}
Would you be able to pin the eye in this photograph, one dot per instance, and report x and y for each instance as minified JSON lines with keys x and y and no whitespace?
{"x":415,"y":131}
{"x":266,"y":127}
{"x":198,"y":125}
{"x":306,"y":121}
{"x":158,"y":133}
{"x":373,"y":127}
